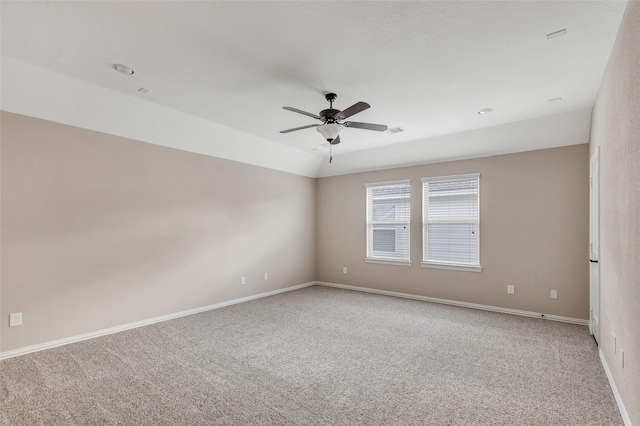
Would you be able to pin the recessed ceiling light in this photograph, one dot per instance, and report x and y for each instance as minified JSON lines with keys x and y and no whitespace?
{"x":554,"y":100}
{"x":484,"y":111}
{"x":123,"y":69}
{"x":556,"y":34}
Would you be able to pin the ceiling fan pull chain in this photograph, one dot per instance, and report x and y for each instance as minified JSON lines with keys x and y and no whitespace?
{"x":330,"y":153}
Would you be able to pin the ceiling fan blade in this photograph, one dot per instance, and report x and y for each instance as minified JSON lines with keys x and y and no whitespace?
{"x":299,"y":111}
{"x":353,"y":109}
{"x":368,"y":126}
{"x":299,"y":128}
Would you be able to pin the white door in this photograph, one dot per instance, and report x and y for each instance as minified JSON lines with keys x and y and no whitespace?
{"x":594,"y":245}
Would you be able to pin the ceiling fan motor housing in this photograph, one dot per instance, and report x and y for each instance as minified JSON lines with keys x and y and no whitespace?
{"x":328,"y":115}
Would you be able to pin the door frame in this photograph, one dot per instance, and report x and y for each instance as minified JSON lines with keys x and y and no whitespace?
{"x":594,"y":245}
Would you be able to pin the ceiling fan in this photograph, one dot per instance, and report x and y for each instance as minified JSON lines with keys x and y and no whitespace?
{"x":332,"y":123}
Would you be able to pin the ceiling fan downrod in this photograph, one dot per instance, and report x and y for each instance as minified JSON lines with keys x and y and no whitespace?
{"x":330,"y":97}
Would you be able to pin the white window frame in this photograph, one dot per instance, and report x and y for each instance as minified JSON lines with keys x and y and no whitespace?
{"x":425,"y":263}
{"x":371,"y":256}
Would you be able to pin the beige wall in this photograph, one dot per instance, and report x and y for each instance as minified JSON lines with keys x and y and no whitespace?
{"x":616,"y":130}
{"x":533,"y":228}
{"x":100,"y":231}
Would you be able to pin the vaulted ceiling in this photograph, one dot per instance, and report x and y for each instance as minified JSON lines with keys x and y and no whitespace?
{"x":217,"y":74}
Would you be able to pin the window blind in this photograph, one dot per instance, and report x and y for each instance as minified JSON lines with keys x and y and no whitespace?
{"x":451,"y":220}
{"x":388,"y":220}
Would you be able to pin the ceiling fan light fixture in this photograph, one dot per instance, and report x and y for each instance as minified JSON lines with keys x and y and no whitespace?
{"x":330,"y":131}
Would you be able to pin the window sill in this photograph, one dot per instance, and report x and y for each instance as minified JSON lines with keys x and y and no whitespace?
{"x":388,"y":261}
{"x":451,"y":267}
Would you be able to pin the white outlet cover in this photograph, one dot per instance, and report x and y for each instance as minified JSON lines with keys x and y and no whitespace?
{"x":554,"y":294}
{"x":613,"y":342}
{"x":266,"y":276}
{"x":15,"y":319}
{"x":511,"y":289}
{"x":344,"y":269}
{"x":243,"y":280}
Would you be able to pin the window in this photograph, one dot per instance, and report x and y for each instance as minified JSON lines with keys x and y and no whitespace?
{"x":388,"y":217}
{"x":451,"y":222}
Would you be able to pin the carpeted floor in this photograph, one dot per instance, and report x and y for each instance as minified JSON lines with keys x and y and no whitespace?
{"x":319,"y":356}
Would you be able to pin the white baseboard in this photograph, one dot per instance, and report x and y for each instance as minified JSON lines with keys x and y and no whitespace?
{"x":462,"y":304}
{"x":104,"y":332}
{"x":616,"y":394}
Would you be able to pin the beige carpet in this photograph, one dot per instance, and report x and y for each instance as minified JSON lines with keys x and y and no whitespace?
{"x":319,"y":356}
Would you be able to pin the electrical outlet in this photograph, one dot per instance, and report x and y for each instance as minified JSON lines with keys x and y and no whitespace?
{"x":553,"y":294}
{"x":243,"y":280}
{"x":344,"y":270}
{"x":266,"y":276}
{"x":511,"y":289}
{"x":15,"y":319}
{"x":613,"y":342}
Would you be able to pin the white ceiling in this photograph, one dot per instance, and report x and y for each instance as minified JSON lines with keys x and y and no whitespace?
{"x":227,"y":68}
